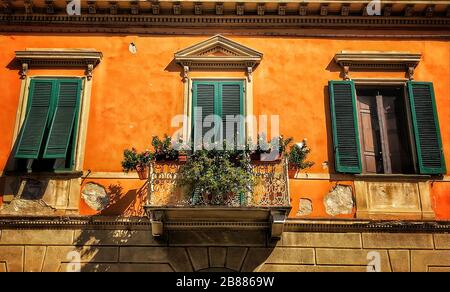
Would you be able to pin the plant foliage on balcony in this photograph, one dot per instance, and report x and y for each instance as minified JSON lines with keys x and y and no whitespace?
{"x":217,"y":173}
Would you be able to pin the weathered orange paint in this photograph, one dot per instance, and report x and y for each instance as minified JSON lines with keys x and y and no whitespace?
{"x":314,"y":190}
{"x":135,"y":96}
{"x":127,"y":197}
{"x":441,"y":200}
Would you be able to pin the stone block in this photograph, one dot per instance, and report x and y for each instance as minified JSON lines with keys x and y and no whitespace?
{"x":235,"y":258}
{"x":400,"y":260}
{"x":311,"y":268}
{"x":255,"y":259}
{"x":318,"y":239}
{"x":199,"y":257}
{"x":217,"y":238}
{"x":217,"y":257}
{"x":349,"y":257}
{"x":281,"y":255}
{"x":423,"y":260}
{"x":34,"y":258}
{"x":12,"y":257}
{"x":398,"y":240}
{"x":37,"y":236}
{"x":57,"y":255}
{"x":442,"y":241}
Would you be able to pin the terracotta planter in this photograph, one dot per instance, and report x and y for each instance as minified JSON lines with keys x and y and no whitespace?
{"x":292,"y":171}
{"x":182,"y":158}
{"x":255,"y":156}
{"x":142,"y":172}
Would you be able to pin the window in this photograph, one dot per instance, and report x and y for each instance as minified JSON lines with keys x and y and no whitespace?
{"x":371,"y":129}
{"x":384,"y":130}
{"x":218,"y":110}
{"x":47,"y":137}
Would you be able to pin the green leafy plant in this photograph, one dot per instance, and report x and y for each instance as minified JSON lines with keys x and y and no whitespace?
{"x":133,"y":159}
{"x":217,"y":173}
{"x":297,"y":156}
{"x":163,"y":148}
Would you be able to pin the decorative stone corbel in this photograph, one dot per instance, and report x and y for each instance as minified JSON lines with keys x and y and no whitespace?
{"x":240,"y":9}
{"x":278,"y":219}
{"x":411,"y":72}
{"x":249,"y":73}
{"x":156,"y":220}
{"x":23,"y":71}
{"x":89,"y":70}
{"x":28,"y":6}
{"x":185,"y":73}
{"x":346,"y":72}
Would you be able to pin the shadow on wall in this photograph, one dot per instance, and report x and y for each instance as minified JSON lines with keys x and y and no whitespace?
{"x":129,"y":204}
{"x":125,"y":243}
{"x":112,"y":200}
{"x":131,"y":248}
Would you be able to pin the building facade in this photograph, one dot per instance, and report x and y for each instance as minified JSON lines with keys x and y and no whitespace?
{"x":365,"y":83}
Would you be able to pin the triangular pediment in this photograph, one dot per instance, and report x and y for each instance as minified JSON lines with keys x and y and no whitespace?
{"x":218,"y":51}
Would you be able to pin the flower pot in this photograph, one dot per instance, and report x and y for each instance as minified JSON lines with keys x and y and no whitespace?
{"x":182,"y":158}
{"x":292,"y":171}
{"x":142,"y":171}
{"x":256,"y":156}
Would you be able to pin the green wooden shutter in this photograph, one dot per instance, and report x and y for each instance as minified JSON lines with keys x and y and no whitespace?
{"x":205,"y":96}
{"x":231,"y":99}
{"x":33,"y":129}
{"x":426,"y":128}
{"x":345,"y":126}
{"x":64,"y":119}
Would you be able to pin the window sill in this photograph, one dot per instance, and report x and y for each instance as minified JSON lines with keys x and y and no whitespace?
{"x":394,"y":176}
{"x":39,"y":175}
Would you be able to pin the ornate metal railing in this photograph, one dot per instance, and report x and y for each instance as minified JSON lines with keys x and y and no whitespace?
{"x":271,"y":188}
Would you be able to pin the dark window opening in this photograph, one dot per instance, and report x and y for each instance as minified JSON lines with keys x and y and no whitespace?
{"x":384,"y":130}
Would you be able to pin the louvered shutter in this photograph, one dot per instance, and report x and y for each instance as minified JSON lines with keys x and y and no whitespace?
{"x":33,"y":129}
{"x":64,"y":119}
{"x":426,"y":128}
{"x":231,"y":99}
{"x":345,"y":127}
{"x":205,"y":94}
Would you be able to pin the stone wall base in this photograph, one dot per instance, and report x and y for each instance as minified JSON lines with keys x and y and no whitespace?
{"x":132,"y":248}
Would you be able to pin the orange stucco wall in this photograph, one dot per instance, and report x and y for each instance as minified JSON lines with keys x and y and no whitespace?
{"x":136,"y":96}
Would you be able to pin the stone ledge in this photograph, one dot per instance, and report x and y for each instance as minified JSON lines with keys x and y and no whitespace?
{"x":143,"y":223}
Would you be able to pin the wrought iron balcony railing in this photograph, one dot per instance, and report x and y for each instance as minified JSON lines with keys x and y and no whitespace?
{"x":271,"y":188}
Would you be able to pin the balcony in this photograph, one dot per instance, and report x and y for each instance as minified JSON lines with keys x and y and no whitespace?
{"x":267,"y":203}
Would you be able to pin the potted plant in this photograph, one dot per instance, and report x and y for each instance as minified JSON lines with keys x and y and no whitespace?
{"x":183,"y":149}
{"x":163,"y":149}
{"x":133,"y":160}
{"x":215,"y":176}
{"x":297,"y":157}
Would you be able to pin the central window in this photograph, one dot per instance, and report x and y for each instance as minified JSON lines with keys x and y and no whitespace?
{"x":218,"y":111}
{"x":384,"y":130}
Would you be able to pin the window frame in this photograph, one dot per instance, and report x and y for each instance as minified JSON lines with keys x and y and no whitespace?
{"x":246,"y":104}
{"x":70,"y":156}
{"x":81,"y":118}
{"x":412,"y":144}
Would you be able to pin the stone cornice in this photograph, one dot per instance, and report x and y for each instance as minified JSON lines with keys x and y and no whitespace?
{"x":218,"y":52}
{"x":377,"y":60}
{"x":84,"y":58}
{"x":370,"y":59}
{"x":94,"y":222}
{"x":114,"y":23}
{"x":117,"y":16}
